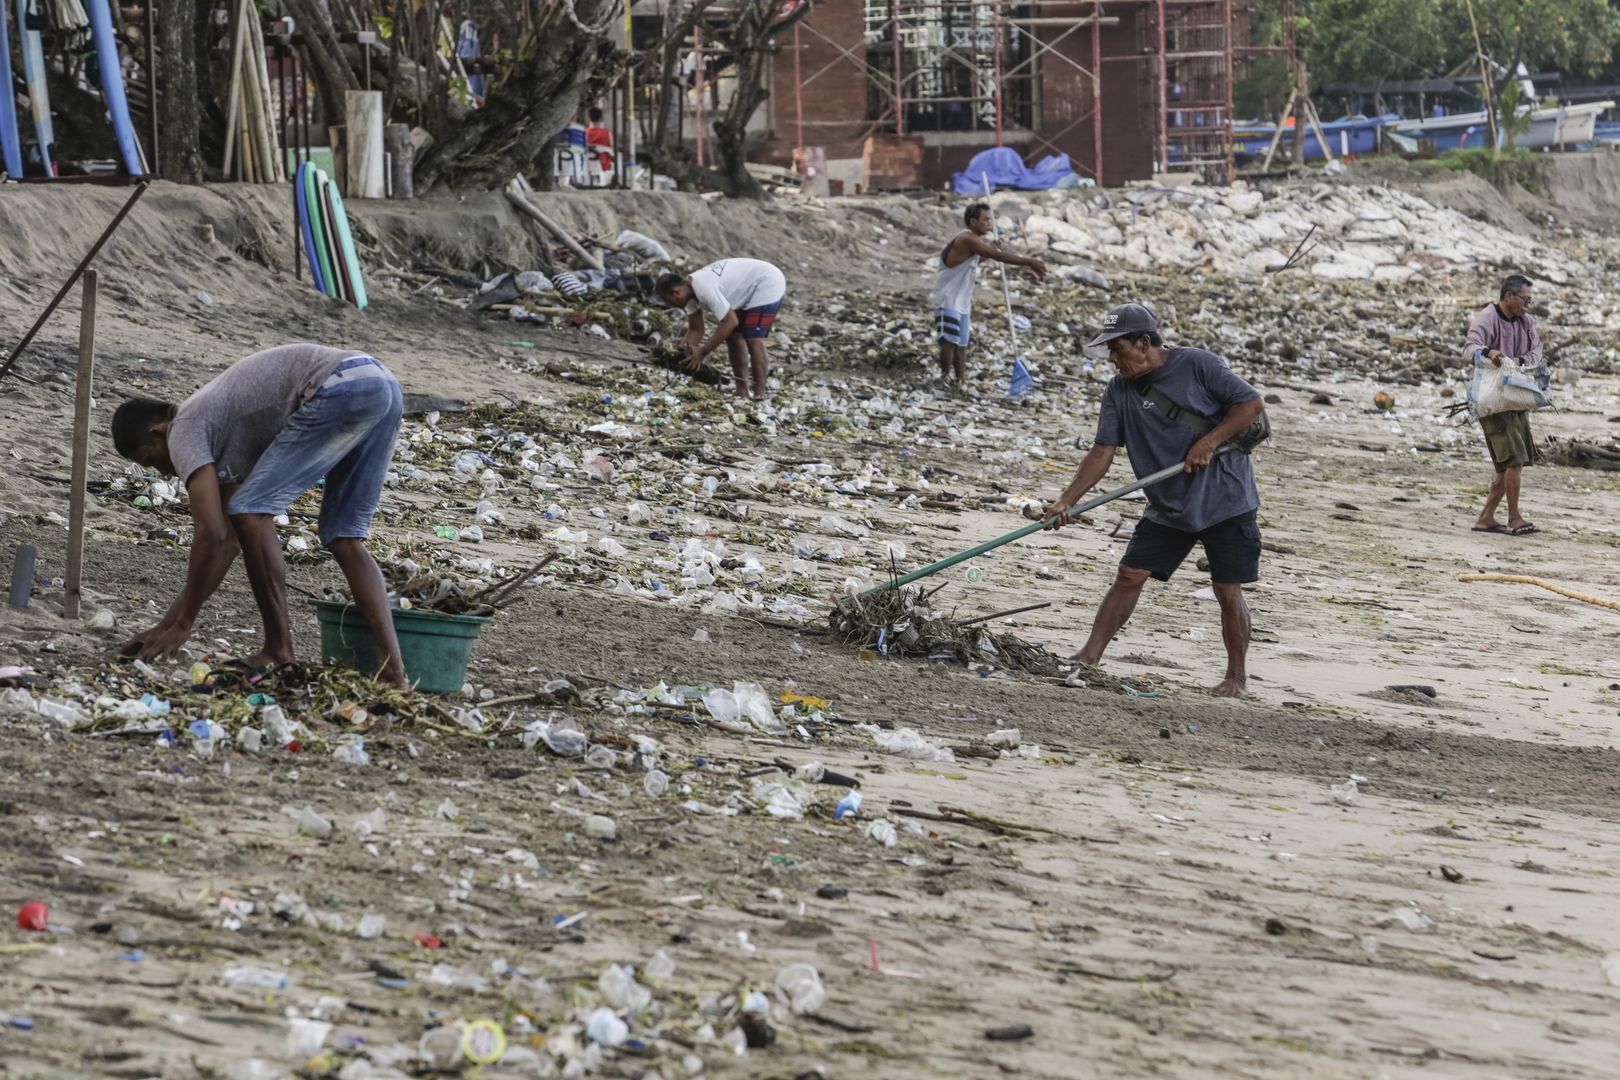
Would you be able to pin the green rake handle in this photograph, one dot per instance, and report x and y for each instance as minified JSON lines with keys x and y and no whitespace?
{"x":990,"y":545}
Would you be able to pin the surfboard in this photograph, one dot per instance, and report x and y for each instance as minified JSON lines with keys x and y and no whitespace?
{"x":304,"y":231}
{"x":10,"y":144}
{"x":39,"y":96}
{"x":317,"y":229}
{"x":339,"y":278}
{"x":112,"y":86}
{"x":340,"y":217}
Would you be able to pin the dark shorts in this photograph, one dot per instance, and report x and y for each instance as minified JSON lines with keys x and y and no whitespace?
{"x":756,"y":322}
{"x":1232,"y":547}
{"x":1507,"y":435}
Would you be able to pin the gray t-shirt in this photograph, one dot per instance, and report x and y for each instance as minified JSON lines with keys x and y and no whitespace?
{"x":1200,"y":382}
{"x":230,"y":422}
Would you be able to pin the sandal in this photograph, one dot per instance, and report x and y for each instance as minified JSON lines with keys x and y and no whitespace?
{"x":1493,"y":527}
{"x":1523,"y":530}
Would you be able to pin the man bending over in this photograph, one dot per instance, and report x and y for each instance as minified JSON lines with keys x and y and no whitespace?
{"x":265,"y":430}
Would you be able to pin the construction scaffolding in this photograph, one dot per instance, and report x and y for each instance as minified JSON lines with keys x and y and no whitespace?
{"x":1032,"y":72}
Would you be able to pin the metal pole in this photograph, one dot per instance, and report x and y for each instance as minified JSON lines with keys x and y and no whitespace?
{"x":1164,"y":91}
{"x":798,"y":97}
{"x":697,"y":83}
{"x":78,"y":272}
{"x":990,"y":545}
{"x":899,"y":88}
{"x":995,"y":33}
{"x":152,"y":84}
{"x":630,"y":99}
{"x":1096,"y":91}
{"x":1226,"y":115}
{"x":81,"y":448}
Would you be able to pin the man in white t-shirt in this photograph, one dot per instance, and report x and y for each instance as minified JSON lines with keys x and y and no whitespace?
{"x":742,"y":296}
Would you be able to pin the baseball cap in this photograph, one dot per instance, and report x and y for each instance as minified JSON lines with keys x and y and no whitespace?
{"x":1126,"y":320}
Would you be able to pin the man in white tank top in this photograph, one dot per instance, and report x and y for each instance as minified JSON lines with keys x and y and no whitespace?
{"x":953,"y":288}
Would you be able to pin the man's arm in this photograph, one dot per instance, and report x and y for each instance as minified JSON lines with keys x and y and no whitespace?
{"x":694,"y":330}
{"x":1477,"y":341}
{"x":1093,"y":467}
{"x":722,"y":331}
{"x":1533,"y":358}
{"x":1238,"y":417}
{"x":213,"y":549}
{"x":981,"y":247}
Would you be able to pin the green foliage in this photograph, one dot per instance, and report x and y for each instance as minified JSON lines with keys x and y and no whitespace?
{"x":1376,"y":40}
{"x":1510,"y":123}
{"x":1501,"y":168}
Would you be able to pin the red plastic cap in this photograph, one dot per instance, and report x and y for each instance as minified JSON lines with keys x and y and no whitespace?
{"x":33,"y":916}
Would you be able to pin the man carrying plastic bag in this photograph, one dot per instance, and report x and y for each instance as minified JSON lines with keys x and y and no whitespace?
{"x":1509,"y":380}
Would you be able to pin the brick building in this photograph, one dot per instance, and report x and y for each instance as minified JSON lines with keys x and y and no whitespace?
{"x":833,"y":83}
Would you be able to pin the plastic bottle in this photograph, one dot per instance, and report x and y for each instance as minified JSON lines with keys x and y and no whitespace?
{"x":883,"y":832}
{"x":656,"y":783}
{"x":801,"y":985}
{"x":247,"y":975}
{"x":605,"y":1028}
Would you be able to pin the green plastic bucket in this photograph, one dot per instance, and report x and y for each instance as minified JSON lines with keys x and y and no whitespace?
{"x":435,"y":647}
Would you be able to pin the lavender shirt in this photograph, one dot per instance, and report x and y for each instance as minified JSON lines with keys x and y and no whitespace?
{"x":1511,"y":337}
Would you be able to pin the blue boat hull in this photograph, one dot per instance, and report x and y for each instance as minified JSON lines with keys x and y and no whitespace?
{"x":1353,"y":136}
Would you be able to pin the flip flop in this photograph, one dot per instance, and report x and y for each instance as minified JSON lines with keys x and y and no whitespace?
{"x":1493,"y":527}
{"x":1523,"y":530}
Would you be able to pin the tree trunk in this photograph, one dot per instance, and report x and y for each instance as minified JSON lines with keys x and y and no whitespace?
{"x":178,"y":110}
{"x":324,"y":59}
{"x":561,"y":65}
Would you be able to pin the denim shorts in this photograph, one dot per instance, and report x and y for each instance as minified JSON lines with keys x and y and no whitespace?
{"x":1232,"y":547}
{"x":345,"y":433}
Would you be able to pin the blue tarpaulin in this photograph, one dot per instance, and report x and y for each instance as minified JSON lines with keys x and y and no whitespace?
{"x":1006,"y":168}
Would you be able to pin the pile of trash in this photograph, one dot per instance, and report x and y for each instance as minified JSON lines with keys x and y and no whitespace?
{"x":1336,"y":231}
{"x":898,"y":622}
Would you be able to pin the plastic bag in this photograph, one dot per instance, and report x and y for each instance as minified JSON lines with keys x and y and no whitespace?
{"x":1508,"y":388}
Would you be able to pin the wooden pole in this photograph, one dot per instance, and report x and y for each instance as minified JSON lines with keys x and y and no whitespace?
{"x":233,"y":98}
{"x":1276,"y":136}
{"x":81,"y":447}
{"x":1486,"y":90}
{"x":517,"y":195}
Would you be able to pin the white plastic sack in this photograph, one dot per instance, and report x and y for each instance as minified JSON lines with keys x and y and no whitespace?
{"x":643,"y":245}
{"x":1508,"y":388}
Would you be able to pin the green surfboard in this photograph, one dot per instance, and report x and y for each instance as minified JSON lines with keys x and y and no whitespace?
{"x":317,"y":227}
{"x":351,"y":261}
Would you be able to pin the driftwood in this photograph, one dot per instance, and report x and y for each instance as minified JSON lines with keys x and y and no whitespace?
{"x":517,"y":194}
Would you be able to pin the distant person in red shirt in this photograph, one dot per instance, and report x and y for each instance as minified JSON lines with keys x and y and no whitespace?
{"x":597,"y":135}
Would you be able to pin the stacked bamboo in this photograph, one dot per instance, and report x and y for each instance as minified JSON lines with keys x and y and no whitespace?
{"x":256,"y":156}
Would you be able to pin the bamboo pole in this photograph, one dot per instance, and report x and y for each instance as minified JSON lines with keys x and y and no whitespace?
{"x":1485,"y":87}
{"x":232,"y":114}
{"x":517,"y":195}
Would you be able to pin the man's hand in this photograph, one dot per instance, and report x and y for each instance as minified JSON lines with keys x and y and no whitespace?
{"x":164,"y":639}
{"x":1495,"y":357}
{"x":694,"y":361}
{"x":1037,"y":269}
{"x":692,"y":338}
{"x":1057,"y":515}
{"x":1202,"y":451}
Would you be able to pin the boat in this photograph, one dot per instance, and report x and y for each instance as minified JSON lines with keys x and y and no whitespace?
{"x":1559,"y":125}
{"x":1347,"y":137}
